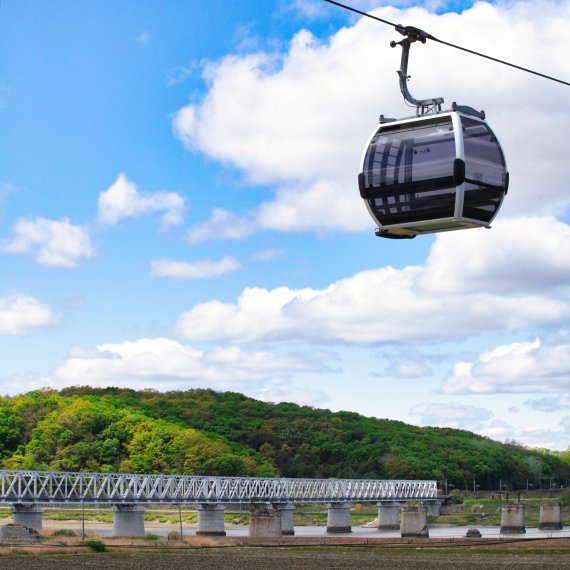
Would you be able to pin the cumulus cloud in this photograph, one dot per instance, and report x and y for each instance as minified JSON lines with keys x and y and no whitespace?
{"x":299,"y":119}
{"x":167,"y":364}
{"x":341,"y":313}
{"x":451,"y":415}
{"x":55,"y":243}
{"x":525,"y":252}
{"x":413,"y":303}
{"x":281,"y":113}
{"x":197,"y":270}
{"x":322,"y":207}
{"x":539,"y":365}
{"x":22,"y":314}
{"x":124,"y":200}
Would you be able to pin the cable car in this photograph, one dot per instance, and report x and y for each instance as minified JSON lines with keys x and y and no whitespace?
{"x":435,"y":172}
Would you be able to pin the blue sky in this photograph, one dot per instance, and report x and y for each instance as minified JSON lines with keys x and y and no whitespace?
{"x":179,"y":209}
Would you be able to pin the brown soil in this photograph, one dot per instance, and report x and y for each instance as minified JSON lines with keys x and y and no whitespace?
{"x":294,"y":553}
{"x":286,"y":559}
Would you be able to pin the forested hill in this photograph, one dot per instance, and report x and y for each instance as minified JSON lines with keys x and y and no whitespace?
{"x":205,"y":432}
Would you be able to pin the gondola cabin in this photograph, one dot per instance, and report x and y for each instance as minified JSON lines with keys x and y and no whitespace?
{"x":433,"y":173}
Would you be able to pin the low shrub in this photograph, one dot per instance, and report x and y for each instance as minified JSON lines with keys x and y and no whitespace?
{"x":456,"y":498}
{"x":95,"y":545}
{"x":64,"y":532}
{"x":565,"y":498}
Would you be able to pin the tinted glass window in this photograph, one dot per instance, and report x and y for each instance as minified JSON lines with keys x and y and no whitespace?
{"x":405,"y":155}
{"x":484,"y":160}
{"x":411,"y":172}
{"x":485,"y":171}
{"x":404,"y":207}
{"x":480,"y":202}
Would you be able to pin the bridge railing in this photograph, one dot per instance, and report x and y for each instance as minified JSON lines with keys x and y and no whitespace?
{"x":64,"y":487}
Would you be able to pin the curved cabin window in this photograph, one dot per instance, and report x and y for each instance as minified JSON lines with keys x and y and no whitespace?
{"x":485,"y":171}
{"x":409,"y":172}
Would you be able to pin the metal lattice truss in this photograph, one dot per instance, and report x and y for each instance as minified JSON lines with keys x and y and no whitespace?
{"x":54,"y":487}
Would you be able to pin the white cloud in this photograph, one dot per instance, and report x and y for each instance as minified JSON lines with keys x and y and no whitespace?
{"x":308,"y":9}
{"x":550,"y":404}
{"x":287,"y":393}
{"x":540,"y":365}
{"x":55,"y":243}
{"x":451,"y":415}
{"x":404,"y":361}
{"x":14,"y":384}
{"x":123,"y":200}
{"x":22,"y":314}
{"x":322,"y":207}
{"x":529,"y":253}
{"x":300,"y":119}
{"x":482,"y":421}
{"x":278,"y":114}
{"x":167,"y":364}
{"x":565,"y":423}
{"x":222,"y":224}
{"x":342,"y":313}
{"x":197,"y":270}
{"x":530,"y":435}
{"x":407,"y":369}
{"x":414,"y":303}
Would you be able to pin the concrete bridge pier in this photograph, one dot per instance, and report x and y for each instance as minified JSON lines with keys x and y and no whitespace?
{"x":27,"y":514}
{"x":414,"y":522}
{"x":512,"y":519}
{"x":211,"y":520}
{"x":128,"y":519}
{"x":286,"y":511}
{"x":433,"y":508}
{"x":389,"y":516}
{"x":550,"y":516}
{"x":338,"y":517}
{"x":264,"y":520}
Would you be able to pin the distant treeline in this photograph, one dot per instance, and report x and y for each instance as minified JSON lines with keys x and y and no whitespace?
{"x":202,"y":432}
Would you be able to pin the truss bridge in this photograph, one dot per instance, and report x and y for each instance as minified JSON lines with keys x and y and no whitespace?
{"x":113,"y":488}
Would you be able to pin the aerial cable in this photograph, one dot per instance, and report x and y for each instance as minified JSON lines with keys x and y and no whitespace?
{"x":404,"y":30}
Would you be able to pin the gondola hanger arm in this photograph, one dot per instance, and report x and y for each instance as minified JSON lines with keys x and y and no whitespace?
{"x":423,"y":106}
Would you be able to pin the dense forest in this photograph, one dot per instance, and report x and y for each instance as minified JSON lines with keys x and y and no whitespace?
{"x":202,"y":432}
